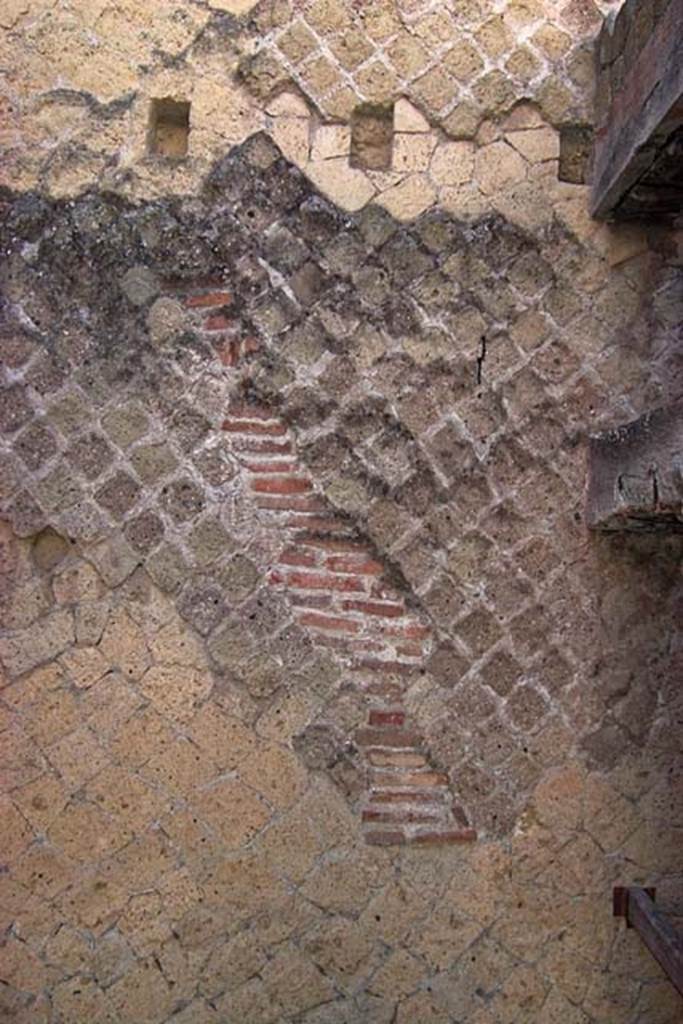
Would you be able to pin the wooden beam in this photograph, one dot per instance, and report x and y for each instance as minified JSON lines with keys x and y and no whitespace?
{"x":664,"y":942}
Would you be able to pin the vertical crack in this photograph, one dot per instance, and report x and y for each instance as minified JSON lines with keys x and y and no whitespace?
{"x":480,"y":359}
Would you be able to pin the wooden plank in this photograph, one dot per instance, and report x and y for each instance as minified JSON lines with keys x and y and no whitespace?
{"x":663,"y":941}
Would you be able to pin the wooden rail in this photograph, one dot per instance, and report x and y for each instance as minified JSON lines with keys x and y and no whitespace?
{"x":664,"y":942}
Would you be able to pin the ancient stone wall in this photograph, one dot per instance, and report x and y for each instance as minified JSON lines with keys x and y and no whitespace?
{"x":320,"y":703}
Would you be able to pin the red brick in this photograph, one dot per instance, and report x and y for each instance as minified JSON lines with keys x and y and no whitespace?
{"x":396,"y":759}
{"x":399,"y":738}
{"x":398,"y":817}
{"x":281,"y":466}
{"x":296,"y":558}
{"x":388,"y":611}
{"x":318,"y":581}
{"x":331,"y":544}
{"x":229,"y":353}
{"x":281,"y":485}
{"x":406,"y":796}
{"x":219,"y":322}
{"x":423,"y":780}
{"x":387,"y":717}
{"x":331,"y":622}
{"x":292,"y":503}
{"x":208,"y":299}
{"x":387,"y":838}
{"x":438,"y":838}
{"x":410,"y":650}
{"x":250,"y":344}
{"x":364,"y":568}
{"x":273,"y":429}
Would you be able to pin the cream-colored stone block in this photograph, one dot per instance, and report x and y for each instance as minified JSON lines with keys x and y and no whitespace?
{"x":497,"y":166}
{"x":452,"y":163}
{"x":232,"y":6}
{"x":463,"y":200}
{"x":345,"y":185}
{"x":176,"y":691}
{"x":288,"y":104}
{"x":407,"y":118}
{"x":536,"y":144}
{"x":291,"y":134}
{"x":84,"y":666}
{"x":410,"y":198}
{"x":331,"y":140}
{"x":412,"y":152}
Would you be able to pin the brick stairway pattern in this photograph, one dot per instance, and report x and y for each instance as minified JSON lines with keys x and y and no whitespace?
{"x":337,"y":587}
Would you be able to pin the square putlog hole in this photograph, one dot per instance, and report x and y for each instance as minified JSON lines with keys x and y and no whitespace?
{"x":372,"y":136}
{"x":169,"y":128}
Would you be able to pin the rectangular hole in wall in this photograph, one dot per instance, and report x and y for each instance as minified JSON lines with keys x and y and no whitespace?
{"x":169,"y":127}
{"x":372,"y":136}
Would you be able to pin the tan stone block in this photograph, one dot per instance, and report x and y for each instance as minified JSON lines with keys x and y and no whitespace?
{"x":233,"y":810}
{"x":448,"y":936}
{"x":123,"y":645}
{"x":559,"y":798}
{"x":276,"y":773}
{"x":351,"y":48}
{"x":494,"y":37}
{"x":41,"y":800}
{"x":452,"y":163}
{"x":463,"y":121}
{"x":165,"y":319}
{"x":291,"y":135}
{"x":223,"y":737}
{"x":435,"y":89}
{"x":435,"y":28}
{"x":77,"y":757}
{"x":522,"y":64}
{"x":143,"y":923}
{"x":423,"y":1007}
{"x":495,"y":93}
{"x":408,"y":118}
{"x":246,"y":885}
{"x":463,"y":61}
{"x":408,"y":55}
{"x":341,"y":950}
{"x":179,"y":767}
{"x":376,"y":82}
{"x":21,"y":968}
{"x":175,"y":644}
{"x":552,"y":42}
{"x":327,"y":15}
{"x":250,"y":1002}
{"x":320,"y":76}
{"x":297,"y":42}
{"x":525,"y":205}
{"x":380,"y":21}
{"x":463,"y":200}
{"x":555,"y":100}
{"x":536,"y":144}
{"x":68,"y":950}
{"x":143,"y":995}
{"x":341,"y":103}
{"x":286,"y":717}
{"x":293,"y":981}
{"x":412,"y":152}
{"x":288,"y":104}
{"x":30,"y":601}
{"x":28,"y":648}
{"x":398,"y":976}
{"x":91,"y":618}
{"x":124,"y":796}
{"x":232,"y":6}
{"x":45,"y":870}
{"x":84,"y":666}
{"x":498,"y":166}
{"x":391,"y":914}
{"x":232,"y":964}
{"x":81,"y":999}
{"x":76,"y":583}
{"x":291,"y":846}
{"x":176,"y":691}
{"x":558,"y":1010}
{"x":21,"y":762}
{"x":331,"y":140}
{"x":85,"y":833}
{"x":409,"y":198}
{"x":347,"y":186}
{"x":17,"y":832}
